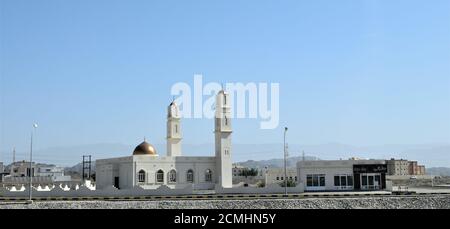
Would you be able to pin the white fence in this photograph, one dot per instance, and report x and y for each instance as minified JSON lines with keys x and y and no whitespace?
{"x":84,"y":191}
{"x":90,"y":191}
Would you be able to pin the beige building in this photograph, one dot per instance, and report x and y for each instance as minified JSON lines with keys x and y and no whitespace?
{"x":398,"y":167}
{"x":404,"y":168}
{"x":21,"y":169}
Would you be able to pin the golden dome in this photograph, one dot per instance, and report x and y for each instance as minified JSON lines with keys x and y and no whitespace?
{"x":144,"y":149}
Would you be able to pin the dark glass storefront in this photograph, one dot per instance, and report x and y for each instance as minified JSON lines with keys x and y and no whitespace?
{"x":370,"y":176}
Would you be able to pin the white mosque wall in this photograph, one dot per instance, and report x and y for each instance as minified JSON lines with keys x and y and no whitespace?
{"x":127,"y":170}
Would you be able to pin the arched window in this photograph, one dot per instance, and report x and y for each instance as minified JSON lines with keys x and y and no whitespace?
{"x":173,"y":176}
{"x":160,"y":176}
{"x":208,"y":175}
{"x":190,"y":176}
{"x":141,"y":176}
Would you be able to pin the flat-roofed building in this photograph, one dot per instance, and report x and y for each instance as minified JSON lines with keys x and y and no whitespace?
{"x":333,"y":175}
{"x":398,"y":167}
{"x":276,"y":175}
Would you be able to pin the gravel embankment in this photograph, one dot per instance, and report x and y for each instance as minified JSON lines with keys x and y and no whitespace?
{"x":420,"y":202}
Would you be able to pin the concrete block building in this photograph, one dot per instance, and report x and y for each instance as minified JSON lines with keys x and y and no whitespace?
{"x":335,"y":175}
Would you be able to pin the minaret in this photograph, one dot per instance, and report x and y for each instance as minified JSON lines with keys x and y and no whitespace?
{"x":223,"y":132}
{"x":173,"y":131}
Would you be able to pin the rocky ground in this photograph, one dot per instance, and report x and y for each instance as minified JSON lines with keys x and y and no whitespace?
{"x":414,"y":202}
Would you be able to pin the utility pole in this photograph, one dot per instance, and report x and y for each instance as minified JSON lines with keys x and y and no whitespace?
{"x":30,"y":200}
{"x":285,"y":157}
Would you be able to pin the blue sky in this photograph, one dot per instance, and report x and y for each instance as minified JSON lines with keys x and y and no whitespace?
{"x":356,"y":72}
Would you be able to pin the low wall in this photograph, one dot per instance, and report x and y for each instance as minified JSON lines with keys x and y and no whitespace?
{"x":269,"y":189}
{"x":84,"y":191}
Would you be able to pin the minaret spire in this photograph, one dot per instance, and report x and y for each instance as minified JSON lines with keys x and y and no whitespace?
{"x":223,"y":147}
{"x":174,"y":135}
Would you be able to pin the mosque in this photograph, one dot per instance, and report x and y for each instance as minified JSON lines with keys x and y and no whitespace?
{"x":145,"y":168}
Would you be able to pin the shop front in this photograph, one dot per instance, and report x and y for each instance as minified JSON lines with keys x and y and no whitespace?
{"x":369,"y":176}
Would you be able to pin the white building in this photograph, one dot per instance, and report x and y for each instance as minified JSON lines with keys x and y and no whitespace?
{"x":147,"y":169}
{"x":276,"y":175}
{"x":54,"y":172}
{"x":342,"y":175}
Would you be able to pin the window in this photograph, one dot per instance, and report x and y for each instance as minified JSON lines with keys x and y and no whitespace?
{"x":208,"y":175}
{"x":337,"y":181}
{"x":141,"y":176}
{"x":190,"y":176}
{"x":350,"y":180}
{"x":315,"y":180}
{"x":371,"y":180}
{"x":172,"y":176}
{"x":160,"y":176}
{"x":322,"y":181}
{"x":176,"y":129}
{"x":225,"y":99}
{"x":226,"y":121}
{"x":377,"y":180}
{"x":278,"y":178}
{"x":364,"y":180}
{"x":343,"y":180}
{"x":309,"y":181}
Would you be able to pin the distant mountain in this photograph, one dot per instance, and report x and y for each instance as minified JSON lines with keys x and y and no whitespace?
{"x":79,"y":167}
{"x":431,"y":155}
{"x":438,"y":171}
{"x":275,"y":163}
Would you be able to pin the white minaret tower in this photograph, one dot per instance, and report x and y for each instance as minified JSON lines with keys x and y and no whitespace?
{"x":223,"y":132}
{"x":173,"y":131}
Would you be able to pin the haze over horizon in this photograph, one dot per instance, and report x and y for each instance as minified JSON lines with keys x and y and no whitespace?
{"x":361,"y":73}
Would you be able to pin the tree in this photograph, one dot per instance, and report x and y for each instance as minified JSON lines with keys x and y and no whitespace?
{"x":290,"y":183}
{"x":249,"y":173}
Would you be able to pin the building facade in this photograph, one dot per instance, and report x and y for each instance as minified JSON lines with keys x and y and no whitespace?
{"x":2,"y":172}
{"x":398,"y":167}
{"x":401,"y":167}
{"x":276,"y":175}
{"x":145,"y":168}
{"x":21,"y":169}
{"x":415,"y":169}
{"x":335,"y":175}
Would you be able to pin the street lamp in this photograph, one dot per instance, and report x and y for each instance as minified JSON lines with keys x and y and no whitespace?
{"x":285,"y":154}
{"x":31,"y":165}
